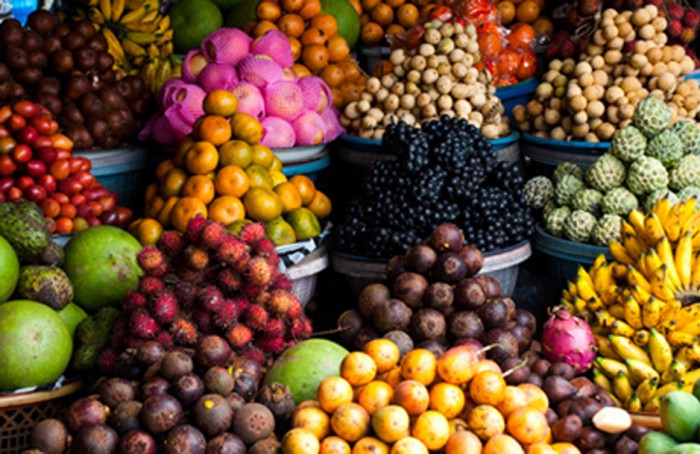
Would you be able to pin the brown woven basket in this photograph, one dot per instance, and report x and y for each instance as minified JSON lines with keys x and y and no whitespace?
{"x":19,"y":413}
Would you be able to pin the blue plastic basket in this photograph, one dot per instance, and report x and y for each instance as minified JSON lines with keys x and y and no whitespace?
{"x":21,"y":9}
{"x":546,"y":154}
{"x":513,"y":95}
{"x":311,"y":167}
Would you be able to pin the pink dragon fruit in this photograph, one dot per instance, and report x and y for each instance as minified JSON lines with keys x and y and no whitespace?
{"x":333,"y":127}
{"x":567,"y":338}
{"x":218,"y":76}
{"x":226,"y":45}
{"x":193,"y":64}
{"x":274,"y":44}
{"x":259,"y":70}
{"x":284,"y":99}
{"x":250,"y":100}
{"x":317,"y":95}
{"x":278,"y":133}
{"x":309,"y":128}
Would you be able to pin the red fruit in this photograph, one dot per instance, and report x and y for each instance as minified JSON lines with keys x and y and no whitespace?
{"x":196,"y":258}
{"x":35,"y":168}
{"x":232,"y":252}
{"x":688,"y":35}
{"x":254,"y":353}
{"x":260,"y":272}
{"x":42,"y":125}
{"x":27,"y":135}
{"x":241,"y":304}
{"x":161,"y":270}
{"x":171,"y":243}
{"x":7,"y":145}
{"x":228,"y":280}
{"x":150,"y":285}
{"x":274,"y":328}
{"x":264,"y":247}
{"x":227,"y":315}
{"x":133,"y":342}
{"x":15,"y":194}
{"x":213,"y":235}
{"x":676,"y":11}
{"x":150,"y":258}
{"x":35,"y":193}
{"x":194,"y":229}
{"x":210,"y":298}
{"x":183,"y":332}
{"x":86,"y":179}
{"x":282,"y":282}
{"x":204,"y":320}
{"x":301,"y":328}
{"x":252,"y":232}
{"x":674,"y":29}
{"x":47,"y":182}
{"x":22,"y":153}
{"x":273,"y":346}
{"x":239,"y":336}
{"x":191,"y":276}
{"x":70,"y":186}
{"x":185,"y":293}
{"x":132,"y":301}
{"x":27,"y":109}
{"x":7,"y":166}
{"x":281,"y":302}
{"x":6,"y":183}
{"x":17,"y":122}
{"x":24,"y":182}
{"x":46,"y":154}
{"x":255,"y":317}
{"x":589,"y":7}
{"x":107,"y":362}
{"x":142,"y":325}
{"x":252,"y":291}
{"x":120,"y":331}
{"x":164,"y":307}
{"x":165,"y":339}
{"x":568,"y":49}
{"x":42,"y":142}
{"x":295,"y":310}
{"x":75,"y":165}
{"x":691,"y":19}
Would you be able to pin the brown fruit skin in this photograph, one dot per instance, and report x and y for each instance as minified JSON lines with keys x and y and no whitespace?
{"x":50,"y":435}
{"x":218,"y":380}
{"x":428,"y":324}
{"x":401,"y":339}
{"x":187,"y":389}
{"x":212,"y":414}
{"x":370,"y":297}
{"x":439,"y":296}
{"x":465,"y":324}
{"x":469,"y":294}
{"x":97,"y":439}
{"x":137,"y":442}
{"x":508,"y":346}
{"x":278,"y":399}
{"x":226,"y":443}
{"x":410,"y":287}
{"x":161,"y":413}
{"x":446,"y":237}
{"x":394,"y":314}
{"x":125,"y":417}
{"x":85,"y":412}
{"x":184,"y":439}
{"x":212,"y":351}
{"x":395,"y":267}
{"x":154,"y":387}
{"x":350,"y":323}
{"x":266,"y":446}
{"x":473,"y":258}
{"x":558,"y":388}
{"x":175,"y":364}
{"x":150,"y":353}
{"x":115,"y":391}
{"x":421,"y":258}
{"x":490,"y":285}
{"x":434,"y":346}
{"x":253,"y":422}
{"x":450,"y":268}
{"x":567,"y":428}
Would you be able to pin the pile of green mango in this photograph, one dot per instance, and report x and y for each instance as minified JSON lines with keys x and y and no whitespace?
{"x":680,"y":416}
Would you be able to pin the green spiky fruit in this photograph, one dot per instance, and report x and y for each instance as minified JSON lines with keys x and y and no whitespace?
{"x":607,"y":229}
{"x":548,"y":207}
{"x":689,"y":192}
{"x":619,"y":201}
{"x":653,"y":198}
{"x":666,"y":147}
{"x":647,"y":175}
{"x":588,"y":200}
{"x":606,"y":172}
{"x":686,"y":172}
{"x":538,"y":191}
{"x":651,"y":116}
{"x":628,"y":144}
{"x":554,"y":223}
{"x":567,"y":168}
{"x":567,"y":188}
{"x":689,"y":135}
{"x":579,"y":226}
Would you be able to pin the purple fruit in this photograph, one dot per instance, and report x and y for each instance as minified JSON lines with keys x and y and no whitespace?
{"x":137,"y":442}
{"x":161,"y":413}
{"x":446,"y":237}
{"x":473,"y":258}
{"x":278,"y":399}
{"x":212,"y":351}
{"x":392,"y":315}
{"x":428,"y":324}
{"x":85,"y":412}
{"x":449,"y":268}
{"x":125,"y":417}
{"x":154,"y":387}
{"x":184,"y":439}
{"x":439,"y":296}
{"x":116,"y":390}
{"x":150,"y":353}
{"x":212,"y":414}
{"x":50,"y":436}
{"x":218,"y":380}
{"x":253,"y":422}
{"x":395,"y":266}
{"x":469,"y":294}
{"x":175,"y":364}
{"x":187,"y":389}
{"x":465,"y":324}
{"x":370,"y":297}
{"x":401,"y":339}
{"x":226,"y":443}
{"x":97,"y":439}
{"x":420,"y":258}
{"x":410,"y":287}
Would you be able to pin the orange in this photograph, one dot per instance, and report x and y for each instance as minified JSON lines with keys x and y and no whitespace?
{"x":369,"y":4}
{"x":409,"y":445}
{"x":221,"y":102}
{"x":407,"y":15}
{"x":305,"y":186}
{"x":202,"y":158}
{"x":370,"y":445}
{"x":338,"y":49}
{"x":313,"y":419}
{"x":522,"y":36}
{"x":334,"y":445}
{"x":232,"y":180}
{"x":357,"y":6}
{"x":338,"y":101}
{"x":448,"y":399}
{"x":226,"y":209}
{"x":382,"y":14}
{"x":237,"y":153}
{"x":153,"y":206}
{"x":501,"y":444}
{"x":314,"y":35}
{"x":528,"y":66}
{"x":295,"y":45}
{"x":507,"y":11}
{"x":277,"y":178}
{"x":413,"y":396}
{"x":215,"y":129}
{"x":350,"y":421}
{"x":391,"y":423}
{"x":148,"y":231}
{"x":268,"y":11}
{"x":420,"y":365}
{"x":535,"y":396}
{"x":182,"y":149}
{"x":358,"y":368}
{"x":350,"y":69}
{"x":527,"y":425}
{"x":486,"y":421}
{"x":247,"y":128}
{"x":375,"y":395}
{"x":186,"y":209}
{"x":463,"y":442}
{"x":304,"y":222}
{"x":300,"y":70}
{"x":261,"y":204}
{"x":528,"y":11}
{"x":326,"y":23}
{"x":276,"y":165}
{"x":394,"y":3}
{"x":292,"y":6}
{"x":288,"y":194}
{"x":432,"y":429}
{"x":291,"y":25}
{"x":372,"y":33}
{"x":200,"y":187}
{"x":262,"y":156}
{"x":259,"y":177}
{"x":263,"y":27}
{"x":166,"y":210}
{"x":351,"y":92}
{"x":394,"y":29}
{"x":490,"y":45}
{"x":162,"y":169}
{"x":315,"y":57}
{"x":151,"y":191}
{"x":487,"y":387}
{"x":543,"y":27}
{"x":334,"y":392}
{"x":320,"y":205}
{"x":310,"y":9}
{"x":383,"y":352}
{"x":332,"y":75}
{"x":172,"y":183}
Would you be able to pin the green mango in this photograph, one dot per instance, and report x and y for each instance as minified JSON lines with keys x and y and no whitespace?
{"x":679,"y":415}
{"x":656,"y":443}
{"x":696,"y":392}
{"x":685,"y":448}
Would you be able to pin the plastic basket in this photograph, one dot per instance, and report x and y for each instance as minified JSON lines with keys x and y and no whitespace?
{"x":513,"y":95}
{"x":311,"y":167}
{"x":545,"y":155}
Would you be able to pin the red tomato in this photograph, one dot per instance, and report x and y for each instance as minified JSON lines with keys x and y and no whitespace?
{"x":63,"y":154}
{"x":64,"y":225}
{"x":27,"y":135}
{"x":60,"y":197}
{"x":6,"y":183}
{"x":48,"y":182}
{"x":24,"y":182}
{"x":60,"y":169}
{"x":61,"y":141}
{"x":47,"y":154}
{"x":36,"y":168}
{"x":70,"y":186}
{"x":68,"y":210}
{"x":51,"y":225}
{"x":7,"y":166}
{"x":51,"y":208}
{"x":4,"y":132}
{"x":14,"y":194}
{"x":108,"y":203}
{"x":75,"y":165}
{"x":35,"y":193}
{"x":27,"y":109}
{"x":78,"y":199}
{"x":528,"y":67}
{"x":22,"y":153}
{"x":17,"y":122}
{"x":41,"y":142}
{"x":86,"y":179}
{"x":43,"y":125}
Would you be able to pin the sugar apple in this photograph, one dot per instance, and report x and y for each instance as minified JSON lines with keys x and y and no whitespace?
{"x":548,"y":207}
{"x":628,"y":144}
{"x":647,"y":175}
{"x":619,"y":201}
{"x":538,"y":191}
{"x":579,"y":226}
{"x":587,"y":200}
{"x":554,"y":223}
{"x":653,"y":198}
{"x":686,"y":172}
{"x":689,"y":192}
{"x":666,"y":147}
{"x":607,"y":229}
{"x":567,"y":188}
{"x":689,"y":135}
{"x":567,"y":168}
{"x":651,"y":116}
{"x":606,"y":172}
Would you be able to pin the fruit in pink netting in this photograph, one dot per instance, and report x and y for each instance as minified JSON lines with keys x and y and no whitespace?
{"x":317,"y":95}
{"x":260,"y":70}
{"x":275,"y":45}
{"x":177,"y":91}
{"x":278,"y":133}
{"x":284,"y":100}
{"x":250,"y":100}
{"x":567,"y":338}
{"x":333,"y":127}
{"x":226,"y":45}
{"x":192,"y":65}
{"x":309,"y":128}
{"x":218,"y":76}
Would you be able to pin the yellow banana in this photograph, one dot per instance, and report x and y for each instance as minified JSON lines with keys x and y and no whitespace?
{"x":621,"y":386}
{"x":148,"y":72}
{"x":633,"y":313}
{"x":692,"y":352}
{"x":106,"y":8}
{"x":610,"y":367}
{"x":620,"y":254}
{"x":141,"y":38}
{"x":670,"y":387}
{"x":580,"y":305}
{"x":634,"y":403}
{"x":134,"y":15}
{"x":605,"y":348}
{"x":639,"y":371}
{"x":166,"y":50}
{"x":625,"y":348}
{"x":672,"y":224}
{"x":695,"y":275}
{"x":609,"y":295}
{"x":662,"y":209}
{"x":646,"y":389}
{"x":692,"y":376}
{"x":118,"y":9}
{"x":653,"y":228}
{"x":678,"y":339}
{"x":134,"y":4}
{"x":660,"y":351}
{"x":163,"y":24}
{"x":96,"y":16}
{"x":639,"y":294}
{"x":634,"y":277}
{"x":133,"y":49}
{"x":617,"y":311}
{"x":601,"y":380}
{"x":599,"y":262}
{"x":684,"y":259}
{"x":143,"y":27}
{"x":651,"y":313}
{"x":582,"y":275}
{"x":665,"y":251}
{"x":164,"y":73}
{"x":153,"y":51}
{"x":165,"y":37}
{"x":151,"y":16}
{"x":628,"y":229}
{"x":642,"y":264}
{"x":653,"y":406}
{"x":669,"y":313}
{"x":676,"y":371}
{"x":641,"y":337}
{"x":571,"y":287}
{"x":661,"y":286}
{"x":692,"y":328}
{"x":603,"y":278}
{"x":653,"y":261}
{"x":692,"y":224}
{"x":114,"y":47}
{"x":636,"y":219}
{"x":633,"y":245}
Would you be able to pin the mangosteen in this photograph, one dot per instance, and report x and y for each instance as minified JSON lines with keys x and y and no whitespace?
{"x":505,"y":345}
{"x":175,"y":364}
{"x":637,"y":432}
{"x":151,"y":352}
{"x":87,"y":411}
{"x":97,"y":439}
{"x":114,"y":391}
{"x":187,"y":389}
{"x":212,"y":351}
{"x":465,"y":324}
{"x":184,"y":439}
{"x":534,"y":379}
{"x":156,"y":386}
{"x":73,"y":40}
{"x":235,"y":401}
{"x":469,"y":294}
{"x":450,"y":268}
{"x":98,"y":43}
{"x":246,"y":386}
{"x":269,"y":445}
{"x":439,"y":296}
{"x":5,"y":73}
{"x":473,"y":258}
{"x":370,"y":297}
{"x":278,"y":399}
{"x":160,"y":413}
{"x":253,"y":422}
{"x":494,"y":313}
{"x":523,"y":335}
{"x":41,"y":21}
{"x":541,"y":367}
{"x":29,"y":76}
{"x":590,"y":439}
{"x":226,"y":443}
{"x":395,"y":267}
{"x":552,"y":416}
{"x":394,"y":314}
{"x":32,"y":41}
{"x":401,"y":339}
{"x":563,"y":370}
{"x":428,"y":324}
{"x":84,"y":27}
{"x":137,"y":442}
{"x":491,"y":286}
{"x":51,"y":436}
{"x":420,"y":258}
{"x":434,"y":346}
{"x":515,"y":370}
{"x":61,"y":60}
{"x":350,"y":323}
{"x":125,"y":417}
{"x":212,"y":414}
{"x":525,"y":318}
{"x":244,"y":365}
{"x":365,"y":335}
{"x":410,"y":287}
{"x":446,"y":237}
{"x":218,"y":380}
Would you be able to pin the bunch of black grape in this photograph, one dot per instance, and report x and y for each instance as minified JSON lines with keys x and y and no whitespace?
{"x":444,"y":172}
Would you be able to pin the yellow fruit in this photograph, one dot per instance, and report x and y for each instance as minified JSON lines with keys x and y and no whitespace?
{"x":320,"y":205}
{"x":262,"y":204}
{"x":280,"y":232}
{"x":277,"y":177}
{"x":262,"y":156}
{"x":259,"y":177}
{"x":287,"y":192}
{"x":236,"y":153}
{"x":304,"y":222}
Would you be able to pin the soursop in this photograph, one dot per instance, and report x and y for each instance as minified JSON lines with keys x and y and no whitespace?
{"x":606,"y":172}
{"x":689,"y":135}
{"x":567,"y":187}
{"x":588,"y":200}
{"x":666,"y":147}
{"x":647,"y":175}
{"x":92,"y":336}
{"x":538,"y":191}
{"x":46,"y":284}
{"x":628,"y":144}
{"x":619,"y":201}
{"x":685,"y":173}
{"x":548,"y":207}
{"x":554,"y":223}
{"x":607,"y":229}
{"x":651,"y":116}
{"x":22,"y":224}
{"x":689,"y":192}
{"x":579,"y":226}
{"x":567,"y":168}
{"x":653,"y":198}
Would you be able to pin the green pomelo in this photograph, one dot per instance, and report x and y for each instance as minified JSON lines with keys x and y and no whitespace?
{"x":101,"y":263}
{"x":656,"y":443}
{"x":192,"y":21}
{"x":225,"y":5}
{"x":242,"y":13}
{"x":9,"y":270}
{"x":35,"y":345}
{"x":679,"y":415}
{"x":685,"y":448}
{"x":347,"y":18}
{"x":72,"y":315}
{"x":304,"y":366}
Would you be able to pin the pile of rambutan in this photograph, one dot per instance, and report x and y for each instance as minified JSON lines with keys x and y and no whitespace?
{"x":209,"y":281}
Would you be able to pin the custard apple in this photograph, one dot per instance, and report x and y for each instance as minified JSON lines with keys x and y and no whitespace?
{"x":619,"y":201}
{"x":567,"y":187}
{"x":579,"y":225}
{"x":607,"y":229}
{"x":548,"y":207}
{"x":651,"y":116}
{"x":605,"y":173}
{"x":666,"y":147}
{"x":538,"y":191}
{"x":628,"y":144}
{"x":689,"y":135}
{"x":554,"y":223}
{"x":588,"y":200}
{"x":689,"y":192}
{"x":686,"y":172}
{"x":567,"y":168}
{"x":653,"y":198}
{"x":647,"y":175}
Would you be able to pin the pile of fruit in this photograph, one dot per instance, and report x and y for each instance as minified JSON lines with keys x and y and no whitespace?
{"x":513,"y":14}
{"x":294,"y":109}
{"x":679,"y":417}
{"x":574,"y":25}
{"x":138,"y":36}
{"x":37,"y":164}
{"x":643,"y":306}
{"x":67,"y":68}
{"x":386,"y":19}
{"x":647,"y":161}
{"x":626,"y":61}
{"x":444,"y":172}
{"x":438,"y":77}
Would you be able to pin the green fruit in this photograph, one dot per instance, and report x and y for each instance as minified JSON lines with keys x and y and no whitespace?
{"x":685,"y":448}
{"x":192,"y":21}
{"x":304,"y":222}
{"x":225,"y":5}
{"x":35,"y":345}
{"x":9,"y":270}
{"x":656,"y":443}
{"x":304,"y":366}
{"x":243,"y":13}
{"x":347,"y":18}
{"x":679,"y":415}
{"x":696,"y":392}
{"x":23,"y":226}
{"x":72,"y":315}
{"x":101,"y":263}
{"x":46,"y":284}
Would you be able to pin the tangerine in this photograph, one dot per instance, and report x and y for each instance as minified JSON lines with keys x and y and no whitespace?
{"x":312,"y":36}
{"x":277,"y":178}
{"x":315,"y":57}
{"x":288,"y":194}
{"x":310,"y":9}
{"x":226,"y":209}
{"x":522,"y":36}
{"x":490,"y":45}
{"x":300,"y":70}
{"x":528,"y":11}
{"x":200,"y":187}
{"x":186,"y":209}
{"x":247,"y":128}
{"x":300,"y":441}
{"x":394,"y":3}
{"x":262,"y":156}
{"x":371,"y":33}
{"x":528,"y":66}
{"x":357,"y":5}
{"x":486,"y":422}
{"x":232,"y":180}
{"x":382,"y":14}
{"x":306,"y":188}
{"x":236,"y":153}
{"x":393,"y":377}
{"x":325,"y":23}
{"x":409,"y":445}
{"x":261,"y":204}
{"x":332,"y":75}
{"x":369,"y":4}
{"x":338,"y":49}
{"x":280,"y":232}
{"x":295,"y":45}
{"x":259,"y":177}
{"x":370,"y":445}
{"x":407,"y":15}
{"x":151,"y":209}
{"x":334,"y":392}
{"x":394,"y":29}
{"x":527,"y":425}
{"x":291,"y":25}
{"x":162,"y":169}
{"x":292,"y":6}
{"x":513,"y":399}
{"x":221,"y":102}
{"x":202,"y":158}
{"x":263,"y":27}
{"x":173,"y":182}
{"x":507,"y":11}
{"x":488,"y":388}
{"x":543,"y":27}
{"x":269,"y":11}
{"x":535,"y":396}
{"x":358,"y":368}
{"x":148,"y":231}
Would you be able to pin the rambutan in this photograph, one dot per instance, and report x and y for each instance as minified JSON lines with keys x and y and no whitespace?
{"x":165,"y":339}
{"x":210,"y":298}
{"x":227,"y":315}
{"x":161,"y":270}
{"x":301,"y":328}
{"x":252,"y":232}
{"x":133,"y":342}
{"x":183,"y":332}
{"x":119,"y":331}
{"x":274,"y":327}
{"x":228,"y":280}
{"x":150,"y":258}
{"x":260,"y":272}
{"x":185,"y":293}
{"x":691,"y":19}
{"x":204,"y":320}
{"x":196,"y":258}
{"x":164,"y":307}
{"x":282,"y":282}
{"x":194,"y":229}
{"x":239,"y":336}
{"x":676,"y":11}
{"x":213,"y":235}
{"x":107,"y":361}
{"x":687,"y":35}
{"x":264,"y":247}
{"x":262,"y":298}
{"x":142,"y":325}
{"x":281,"y":302}
{"x":132,"y":301}
{"x":270,"y":345}
{"x":252,"y":291}
{"x":295,"y":310}
{"x":674,"y":29}
{"x":150,"y":285}
{"x":192,"y":276}
{"x":232,"y":252}
{"x":255,"y":317}
{"x":171,"y":243}
{"x":254,"y":353}
{"x":241,"y":303}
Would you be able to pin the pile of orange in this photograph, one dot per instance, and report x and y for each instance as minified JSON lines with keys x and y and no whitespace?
{"x":380,"y":18}
{"x":317,"y":48}
{"x":515,"y":12}
{"x":221,"y":172}
{"x":419,"y":404}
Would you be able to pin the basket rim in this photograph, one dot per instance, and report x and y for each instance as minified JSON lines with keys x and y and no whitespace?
{"x":34,"y":397}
